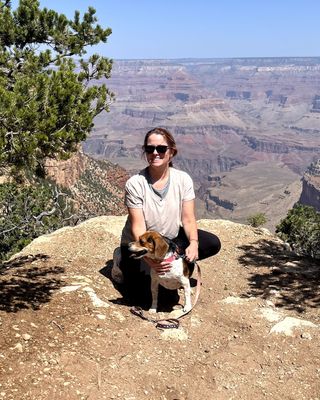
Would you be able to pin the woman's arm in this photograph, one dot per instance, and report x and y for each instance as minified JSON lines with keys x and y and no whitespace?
{"x":189,"y":224}
{"x":138,"y":227}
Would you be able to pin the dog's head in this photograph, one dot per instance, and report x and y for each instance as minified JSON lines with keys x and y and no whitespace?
{"x":150,"y":244}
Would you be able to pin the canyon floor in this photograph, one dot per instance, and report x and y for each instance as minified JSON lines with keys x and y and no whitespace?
{"x":67,"y":333}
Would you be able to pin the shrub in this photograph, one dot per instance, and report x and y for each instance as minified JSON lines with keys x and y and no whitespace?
{"x":27,"y":212}
{"x":301,"y":229}
{"x":257,"y":219}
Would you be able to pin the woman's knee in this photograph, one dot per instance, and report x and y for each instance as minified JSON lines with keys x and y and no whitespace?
{"x":209,"y":245}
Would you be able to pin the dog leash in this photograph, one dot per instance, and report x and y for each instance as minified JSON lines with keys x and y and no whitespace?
{"x":170,"y":323}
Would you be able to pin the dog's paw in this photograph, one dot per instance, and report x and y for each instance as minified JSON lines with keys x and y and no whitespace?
{"x":176,"y":313}
{"x":187,"y":308}
{"x":153,"y":310}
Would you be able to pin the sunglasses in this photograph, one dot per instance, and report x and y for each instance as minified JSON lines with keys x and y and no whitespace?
{"x":161,"y":149}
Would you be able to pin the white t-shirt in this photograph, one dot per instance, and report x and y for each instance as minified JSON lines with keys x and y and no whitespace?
{"x":160,"y":214}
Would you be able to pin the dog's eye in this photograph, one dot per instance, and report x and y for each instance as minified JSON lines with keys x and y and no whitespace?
{"x":150,"y":240}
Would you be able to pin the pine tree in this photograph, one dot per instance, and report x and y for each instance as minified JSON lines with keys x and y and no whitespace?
{"x":48,"y":98}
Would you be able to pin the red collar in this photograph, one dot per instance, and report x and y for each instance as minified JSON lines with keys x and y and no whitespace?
{"x":173,"y":257}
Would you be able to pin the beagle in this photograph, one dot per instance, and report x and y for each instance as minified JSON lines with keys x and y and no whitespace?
{"x":153,"y":245}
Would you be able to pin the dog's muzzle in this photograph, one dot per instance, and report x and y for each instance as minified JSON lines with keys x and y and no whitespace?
{"x":137,"y":253}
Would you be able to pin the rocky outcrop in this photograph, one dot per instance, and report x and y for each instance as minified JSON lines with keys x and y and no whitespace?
{"x":310,"y":194}
{"x":238,"y":95}
{"x":316,"y":104}
{"x":227,"y":163}
{"x":213,"y":201}
{"x":102,"y":149}
{"x":268,"y":146}
{"x":265,"y":146}
{"x":204,"y":129}
{"x":100,"y":189}
{"x":94,"y":187}
{"x":200,"y":169}
{"x":66,"y":330}
{"x":66,"y":173}
{"x":147,"y":114}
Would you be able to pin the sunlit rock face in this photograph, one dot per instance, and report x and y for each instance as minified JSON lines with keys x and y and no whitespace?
{"x":310,"y":194}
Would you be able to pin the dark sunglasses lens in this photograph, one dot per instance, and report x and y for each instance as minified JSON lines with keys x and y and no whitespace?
{"x":160,"y":149}
{"x":149,"y":149}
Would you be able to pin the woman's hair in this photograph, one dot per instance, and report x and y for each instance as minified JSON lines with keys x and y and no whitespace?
{"x":168,"y":137}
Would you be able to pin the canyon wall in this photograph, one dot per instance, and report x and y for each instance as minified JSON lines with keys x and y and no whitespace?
{"x":96,"y":187}
{"x":310,"y":194}
{"x":226,"y":114}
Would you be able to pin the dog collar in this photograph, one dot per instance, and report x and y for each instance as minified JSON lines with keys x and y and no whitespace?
{"x":174,"y":248}
{"x":173,"y":257}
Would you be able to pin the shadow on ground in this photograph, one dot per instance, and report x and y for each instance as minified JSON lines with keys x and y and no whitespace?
{"x":291,"y":279}
{"x":138,"y":292}
{"x":25,"y":285}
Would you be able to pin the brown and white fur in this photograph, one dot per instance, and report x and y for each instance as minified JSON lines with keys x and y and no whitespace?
{"x":153,"y":245}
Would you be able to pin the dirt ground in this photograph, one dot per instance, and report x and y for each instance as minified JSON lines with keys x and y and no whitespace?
{"x":66,"y":332}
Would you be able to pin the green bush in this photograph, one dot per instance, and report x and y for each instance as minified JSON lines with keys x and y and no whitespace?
{"x":257,"y":220}
{"x":301,"y":229}
{"x":27,"y":212}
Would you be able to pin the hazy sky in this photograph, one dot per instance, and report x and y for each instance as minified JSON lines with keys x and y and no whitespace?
{"x":203,"y":28}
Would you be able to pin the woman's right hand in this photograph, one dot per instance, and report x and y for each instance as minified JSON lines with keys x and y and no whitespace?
{"x":160,"y":268}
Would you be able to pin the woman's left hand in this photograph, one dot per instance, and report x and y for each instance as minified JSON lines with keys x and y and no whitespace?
{"x":160,"y":268}
{"x":192,"y":252}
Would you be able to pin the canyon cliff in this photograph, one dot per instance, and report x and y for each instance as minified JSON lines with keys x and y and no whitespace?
{"x":228,"y":116}
{"x":310,"y":194}
{"x":96,"y":187}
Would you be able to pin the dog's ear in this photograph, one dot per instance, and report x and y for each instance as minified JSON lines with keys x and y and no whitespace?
{"x":161,"y":248}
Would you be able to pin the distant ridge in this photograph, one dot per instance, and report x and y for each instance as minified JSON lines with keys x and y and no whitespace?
{"x":235,"y":60}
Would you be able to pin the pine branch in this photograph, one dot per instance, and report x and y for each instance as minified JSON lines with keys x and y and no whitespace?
{"x":6,"y":3}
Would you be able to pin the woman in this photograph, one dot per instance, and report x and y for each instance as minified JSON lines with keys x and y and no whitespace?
{"x":161,"y":198}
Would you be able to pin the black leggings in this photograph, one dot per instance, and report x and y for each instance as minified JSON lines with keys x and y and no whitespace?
{"x":209,"y":245}
{"x":138,"y":283}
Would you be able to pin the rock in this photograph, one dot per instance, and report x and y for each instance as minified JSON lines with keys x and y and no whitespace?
{"x":270,"y":314}
{"x":289,"y":324}
{"x":174,"y":334}
{"x":18,"y":347}
{"x":234,"y":300}
{"x":306,"y":335}
{"x":95,"y":299}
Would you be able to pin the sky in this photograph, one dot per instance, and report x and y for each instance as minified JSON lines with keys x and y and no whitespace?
{"x":160,"y":29}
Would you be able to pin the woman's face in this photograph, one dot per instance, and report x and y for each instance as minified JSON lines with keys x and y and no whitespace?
{"x":156,"y":159}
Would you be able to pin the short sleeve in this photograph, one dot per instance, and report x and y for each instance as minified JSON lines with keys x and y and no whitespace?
{"x":133,"y":195}
{"x":188,"y":190}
